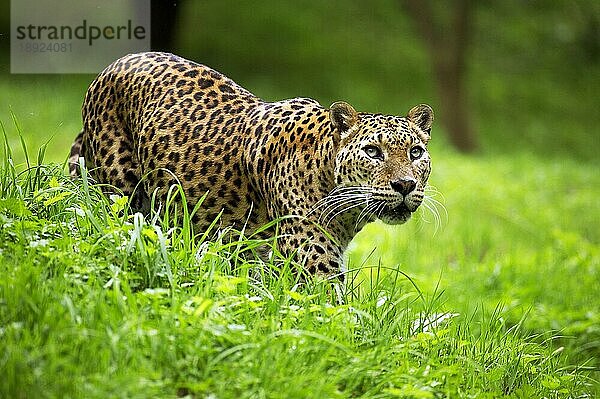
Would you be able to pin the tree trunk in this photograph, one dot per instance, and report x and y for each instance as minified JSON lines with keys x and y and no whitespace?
{"x":447,"y":44}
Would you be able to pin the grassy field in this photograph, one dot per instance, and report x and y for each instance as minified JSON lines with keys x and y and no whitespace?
{"x":499,"y":298}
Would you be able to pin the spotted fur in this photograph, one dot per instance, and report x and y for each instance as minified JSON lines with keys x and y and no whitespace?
{"x":151,"y":120}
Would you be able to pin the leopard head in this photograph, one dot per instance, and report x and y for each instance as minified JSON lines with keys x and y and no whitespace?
{"x":382,"y":163}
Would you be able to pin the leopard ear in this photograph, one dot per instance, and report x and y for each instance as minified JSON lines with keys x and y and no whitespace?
{"x":343,"y":117}
{"x":422,"y":116}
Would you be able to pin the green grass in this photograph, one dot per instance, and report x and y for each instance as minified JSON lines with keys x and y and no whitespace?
{"x":48,"y":109}
{"x":96,"y":302}
{"x":520,"y":232}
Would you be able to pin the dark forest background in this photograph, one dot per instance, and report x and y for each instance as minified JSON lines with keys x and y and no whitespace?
{"x":503,"y":77}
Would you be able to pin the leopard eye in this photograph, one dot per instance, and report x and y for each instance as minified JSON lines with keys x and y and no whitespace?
{"x":416,"y":153}
{"x":373,"y":152}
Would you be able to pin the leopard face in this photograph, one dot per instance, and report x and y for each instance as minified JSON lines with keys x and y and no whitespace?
{"x":382,"y":165}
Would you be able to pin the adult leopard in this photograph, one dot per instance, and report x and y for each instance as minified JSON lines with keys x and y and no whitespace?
{"x":151,"y":120}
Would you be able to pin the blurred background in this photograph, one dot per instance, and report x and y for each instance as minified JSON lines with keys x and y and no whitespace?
{"x":504,"y":77}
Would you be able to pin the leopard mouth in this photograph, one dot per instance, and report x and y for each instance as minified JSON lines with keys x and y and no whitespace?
{"x":396,"y":215}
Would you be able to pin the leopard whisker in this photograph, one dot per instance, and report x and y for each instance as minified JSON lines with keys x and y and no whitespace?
{"x":334,"y":202}
{"x":342,"y":208}
{"x":433,"y":206}
{"x":379,"y":210}
{"x":366,"y":212}
{"x":424,"y":217}
{"x":338,"y":194}
{"x":436,"y":204}
{"x":432,"y":191}
{"x":329,"y":219}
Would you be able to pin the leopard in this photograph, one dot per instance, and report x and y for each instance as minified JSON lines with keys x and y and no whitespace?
{"x":155,"y":120}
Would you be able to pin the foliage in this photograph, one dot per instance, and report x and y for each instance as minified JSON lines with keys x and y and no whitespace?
{"x":97,"y":302}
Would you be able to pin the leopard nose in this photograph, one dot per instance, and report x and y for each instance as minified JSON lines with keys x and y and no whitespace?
{"x":404,"y":185}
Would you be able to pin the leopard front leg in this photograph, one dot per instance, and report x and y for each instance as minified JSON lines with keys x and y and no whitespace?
{"x":316,"y":250}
